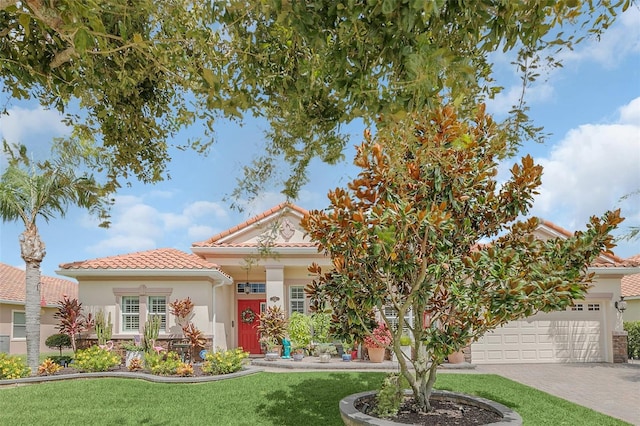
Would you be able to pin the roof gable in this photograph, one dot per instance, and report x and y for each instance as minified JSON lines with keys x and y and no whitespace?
{"x":12,"y":287}
{"x":276,"y":227}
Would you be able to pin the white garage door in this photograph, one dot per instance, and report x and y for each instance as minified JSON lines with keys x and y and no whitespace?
{"x":574,"y":335}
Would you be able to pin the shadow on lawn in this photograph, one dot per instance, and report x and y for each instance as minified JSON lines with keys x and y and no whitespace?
{"x":314,"y":401}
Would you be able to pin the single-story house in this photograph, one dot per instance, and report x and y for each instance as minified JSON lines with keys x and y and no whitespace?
{"x":12,"y":314}
{"x":233,"y":276}
{"x":631,"y":294}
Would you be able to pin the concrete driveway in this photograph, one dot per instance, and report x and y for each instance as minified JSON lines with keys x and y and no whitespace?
{"x":612,"y":389}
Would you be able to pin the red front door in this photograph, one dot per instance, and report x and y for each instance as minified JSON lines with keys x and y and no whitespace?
{"x":248,"y":332}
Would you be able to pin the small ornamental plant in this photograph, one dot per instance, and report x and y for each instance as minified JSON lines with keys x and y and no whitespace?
{"x":184,"y":370}
{"x":224,"y":362}
{"x":379,"y":338}
{"x":163,"y":364}
{"x":136,"y":364}
{"x":95,"y":359}
{"x":48,"y":367}
{"x":12,"y":367}
{"x":58,"y":341}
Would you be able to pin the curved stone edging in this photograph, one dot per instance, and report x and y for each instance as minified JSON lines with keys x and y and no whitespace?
{"x":352,"y":417}
{"x":129,"y":375}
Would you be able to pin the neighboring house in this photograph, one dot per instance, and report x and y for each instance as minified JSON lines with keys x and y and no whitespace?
{"x":12,"y":315}
{"x":631,"y":293}
{"x":234,"y":275}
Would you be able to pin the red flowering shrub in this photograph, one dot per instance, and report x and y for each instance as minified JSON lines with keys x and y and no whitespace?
{"x":380,"y":338}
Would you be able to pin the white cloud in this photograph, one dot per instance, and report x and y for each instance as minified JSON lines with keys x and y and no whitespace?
{"x":590,"y":170}
{"x":616,"y":43}
{"x":205,"y":209}
{"x":136,"y":225}
{"x":201,"y":232}
{"x":32,"y":127}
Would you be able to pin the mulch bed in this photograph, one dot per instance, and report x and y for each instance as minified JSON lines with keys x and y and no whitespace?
{"x":444,"y":413}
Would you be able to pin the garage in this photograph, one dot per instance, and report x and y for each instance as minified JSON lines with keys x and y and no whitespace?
{"x":574,"y":335}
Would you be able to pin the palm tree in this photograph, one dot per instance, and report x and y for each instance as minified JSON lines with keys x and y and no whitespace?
{"x":29,"y":190}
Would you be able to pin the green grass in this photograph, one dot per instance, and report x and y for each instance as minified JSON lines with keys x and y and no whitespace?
{"x":309,"y":398}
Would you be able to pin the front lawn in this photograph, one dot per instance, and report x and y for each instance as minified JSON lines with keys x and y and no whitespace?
{"x":308,"y":398}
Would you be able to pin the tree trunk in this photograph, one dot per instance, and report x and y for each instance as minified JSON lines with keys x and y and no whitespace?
{"x":425,"y":370}
{"x":32,"y":251}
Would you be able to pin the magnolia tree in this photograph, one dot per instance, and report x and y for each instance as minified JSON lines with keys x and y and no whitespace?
{"x":406,"y":238}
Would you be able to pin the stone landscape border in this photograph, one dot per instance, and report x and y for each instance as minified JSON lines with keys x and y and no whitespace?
{"x":353,"y":417}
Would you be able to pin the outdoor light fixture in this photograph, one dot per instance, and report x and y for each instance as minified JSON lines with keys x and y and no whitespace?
{"x":621,"y":305}
{"x":274,"y":299}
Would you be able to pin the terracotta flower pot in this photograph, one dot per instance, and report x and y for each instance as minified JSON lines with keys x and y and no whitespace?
{"x":456,"y":358}
{"x":376,"y":354}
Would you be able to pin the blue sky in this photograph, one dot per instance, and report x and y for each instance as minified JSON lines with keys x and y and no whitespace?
{"x":592,"y":159}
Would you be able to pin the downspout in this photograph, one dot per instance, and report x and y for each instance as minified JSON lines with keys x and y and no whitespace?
{"x":214,"y":316}
{"x":222,"y":280}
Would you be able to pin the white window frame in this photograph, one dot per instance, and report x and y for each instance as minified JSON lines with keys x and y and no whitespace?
{"x":125,"y":314}
{"x":162,"y":314}
{"x":297,"y":299}
{"x":393,"y":319}
{"x":13,"y":325}
{"x":142,"y":293}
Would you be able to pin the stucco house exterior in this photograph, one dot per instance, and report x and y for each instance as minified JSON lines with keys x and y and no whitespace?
{"x":12,"y":314}
{"x":264,"y":261}
{"x":631,"y":293}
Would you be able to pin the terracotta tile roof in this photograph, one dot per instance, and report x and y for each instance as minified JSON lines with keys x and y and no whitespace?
{"x":631,"y":283}
{"x":12,"y":286}
{"x":606,"y":260}
{"x":212,"y":241}
{"x":165,"y":258}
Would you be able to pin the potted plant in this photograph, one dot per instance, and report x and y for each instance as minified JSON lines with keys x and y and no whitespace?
{"x":133,"y":350}
{"x":377,"y":342}
{"x":324,"y":351}
{"x":405,"y":347}
{"x":347,"y":347}
{"x":271,"y":349}
{"x":272,"y":326}
{"x":456,"y":357}
{"x":297,"y":351}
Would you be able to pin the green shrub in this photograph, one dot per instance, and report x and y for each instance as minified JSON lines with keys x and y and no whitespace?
{"x":390,"y":396}
{"x":12,"y":367}
{"x":224,"y":362}
{"x":163,"y":364}
{"x":633,"y":333}
{"x":58,"y":341}
{"x":95,"y":359}
{"x":321,"y":322}
{"x":300,"y":329}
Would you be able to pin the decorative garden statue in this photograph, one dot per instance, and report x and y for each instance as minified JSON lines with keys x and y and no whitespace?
{"x":286,"y":348}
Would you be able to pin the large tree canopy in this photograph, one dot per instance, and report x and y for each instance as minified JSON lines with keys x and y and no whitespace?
{"x":141,"y":70}
{"x":405,"y":236}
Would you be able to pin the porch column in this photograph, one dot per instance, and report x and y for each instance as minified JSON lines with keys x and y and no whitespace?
{"x":275,"y":285}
